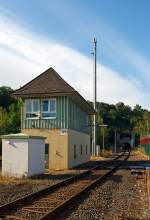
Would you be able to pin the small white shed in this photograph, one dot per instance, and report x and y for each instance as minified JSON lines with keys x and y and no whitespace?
{"x":23,"y":155}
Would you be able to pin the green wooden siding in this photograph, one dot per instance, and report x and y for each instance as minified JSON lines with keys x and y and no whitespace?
{"x":61,"y":120}
{"x":69,"y":115}
{"x":77,"y":117}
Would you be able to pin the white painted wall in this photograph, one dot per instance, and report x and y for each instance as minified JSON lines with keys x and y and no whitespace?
{"x":14,"y":157}
{"x":78,"y":138}
{"x":23,"y":157}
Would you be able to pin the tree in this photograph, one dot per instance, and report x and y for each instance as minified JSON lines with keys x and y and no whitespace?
{"x":10,"y":120}
{"x":5,"y":97}
{"x":122,"y":118}
{"x":4,"y":121}
{"x":9,"y":112}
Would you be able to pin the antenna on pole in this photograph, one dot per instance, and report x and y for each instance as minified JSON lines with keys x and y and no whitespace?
{"x":95,"y":98}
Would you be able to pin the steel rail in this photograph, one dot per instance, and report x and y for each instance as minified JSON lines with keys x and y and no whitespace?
{"x":52,"y":214}
{"x":5,"y":209}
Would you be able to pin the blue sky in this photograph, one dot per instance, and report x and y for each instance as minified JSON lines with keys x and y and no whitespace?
{"x":37,"y":34}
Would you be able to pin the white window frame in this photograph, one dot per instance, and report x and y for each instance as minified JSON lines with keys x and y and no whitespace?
{"x":49,"y":108}
{"x":32,"y":112}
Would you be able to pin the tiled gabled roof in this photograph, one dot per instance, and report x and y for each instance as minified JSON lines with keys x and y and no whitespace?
{"x":47,"y":82}
{"x":50,"y":83}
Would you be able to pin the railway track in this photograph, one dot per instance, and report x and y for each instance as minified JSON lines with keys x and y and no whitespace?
{"x":49,"y":202}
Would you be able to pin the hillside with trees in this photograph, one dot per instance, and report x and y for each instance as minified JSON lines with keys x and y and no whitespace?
{"x":121,"y":117}
{"x":9,"y":112}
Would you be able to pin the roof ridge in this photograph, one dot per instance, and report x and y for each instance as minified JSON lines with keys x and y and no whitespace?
{"x":49,"y":82}
{"x":63,"y":79}
{"x":40,"y":75}
{"x":32,"y":80}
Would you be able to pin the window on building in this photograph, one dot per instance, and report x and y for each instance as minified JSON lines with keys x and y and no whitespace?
{"x":81,"y":149}
{"x":87,"y":120}
{"x":32,"y":108}
{"x":91,"y":149}
{"x":46,"y":156}
{"x":49,"y":108}
{"x":52,"y":105}
{"x":86,"y":149}
{"x":75,"y":151}
{"x":45,"y":106}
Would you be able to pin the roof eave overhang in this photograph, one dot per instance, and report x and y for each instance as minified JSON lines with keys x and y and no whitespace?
{"x":32,"y":95}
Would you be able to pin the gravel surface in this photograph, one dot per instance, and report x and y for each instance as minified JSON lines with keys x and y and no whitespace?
{"x":122,"y":196}
{"x":13,"y":188}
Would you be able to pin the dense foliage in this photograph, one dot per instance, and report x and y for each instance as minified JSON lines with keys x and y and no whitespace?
{"x":9,"y":112}
{"x":123,"y":119}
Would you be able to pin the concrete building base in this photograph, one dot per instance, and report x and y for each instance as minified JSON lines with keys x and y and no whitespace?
{"x":67,"y":148}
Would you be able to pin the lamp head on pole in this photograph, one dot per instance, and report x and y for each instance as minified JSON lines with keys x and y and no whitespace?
{"x":103,"y":125}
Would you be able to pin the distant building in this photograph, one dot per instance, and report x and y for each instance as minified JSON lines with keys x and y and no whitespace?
{"x":53,"y":109}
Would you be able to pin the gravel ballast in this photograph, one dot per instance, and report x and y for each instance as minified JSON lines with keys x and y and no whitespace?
{"x":122,"y":196}
{"x":13,"y":188}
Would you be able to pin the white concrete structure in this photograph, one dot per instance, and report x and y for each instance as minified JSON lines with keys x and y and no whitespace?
{"x":78,"y":148}
{"x":22,"y":155}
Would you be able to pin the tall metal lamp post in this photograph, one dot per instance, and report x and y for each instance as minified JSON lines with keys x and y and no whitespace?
{"x":95,"y":97}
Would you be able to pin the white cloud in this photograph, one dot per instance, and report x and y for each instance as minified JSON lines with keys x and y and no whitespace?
{"x":24,"y":55}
